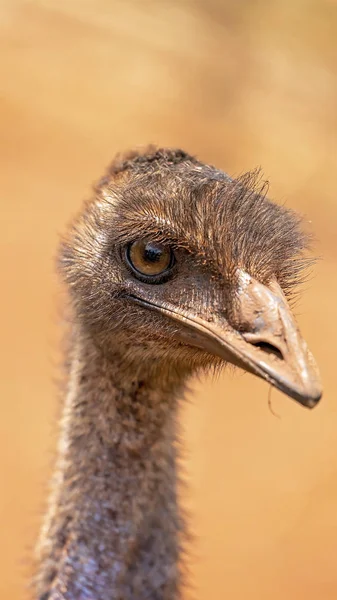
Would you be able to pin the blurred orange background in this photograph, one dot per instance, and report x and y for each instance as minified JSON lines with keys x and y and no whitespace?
{"x":240,"y":84}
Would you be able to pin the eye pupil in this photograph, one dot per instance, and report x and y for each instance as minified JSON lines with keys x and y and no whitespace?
{"x":149,"y":259}
{"x":152,"y":253}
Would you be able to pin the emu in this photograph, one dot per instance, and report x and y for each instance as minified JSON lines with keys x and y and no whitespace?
{"x":172,"y":268}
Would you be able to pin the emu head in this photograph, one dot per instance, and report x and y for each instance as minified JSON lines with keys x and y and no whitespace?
{"x":179,"y":267}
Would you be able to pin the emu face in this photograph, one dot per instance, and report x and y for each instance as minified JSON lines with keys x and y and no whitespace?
{"x":178,"y":263}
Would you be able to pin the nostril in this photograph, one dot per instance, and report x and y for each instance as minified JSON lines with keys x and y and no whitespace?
{"x":269,"y":349}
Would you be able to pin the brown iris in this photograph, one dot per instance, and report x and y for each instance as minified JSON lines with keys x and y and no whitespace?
{"x":150,"y":259}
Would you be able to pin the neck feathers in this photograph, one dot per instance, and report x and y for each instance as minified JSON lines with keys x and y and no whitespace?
{"x":113,"y":528}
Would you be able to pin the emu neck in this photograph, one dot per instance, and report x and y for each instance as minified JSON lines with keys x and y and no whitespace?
{"x":112,"y":532}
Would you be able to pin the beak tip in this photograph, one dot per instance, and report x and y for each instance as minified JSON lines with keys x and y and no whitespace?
{"x":312,"y":402}
{"x":307,"y":391}
{"x":312,"y":398}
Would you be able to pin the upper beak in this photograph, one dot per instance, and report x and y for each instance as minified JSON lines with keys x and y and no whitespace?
{"x":271,"y":345}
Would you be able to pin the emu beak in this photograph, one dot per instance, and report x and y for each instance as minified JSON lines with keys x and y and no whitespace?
{"x":263,"y":337}
{"x":266,"y":341}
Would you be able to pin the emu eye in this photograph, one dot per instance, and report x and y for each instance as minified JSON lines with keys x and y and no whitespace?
{"x":149,"y":259}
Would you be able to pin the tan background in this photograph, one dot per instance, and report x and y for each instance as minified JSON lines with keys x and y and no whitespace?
{"x":240,"y":84}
